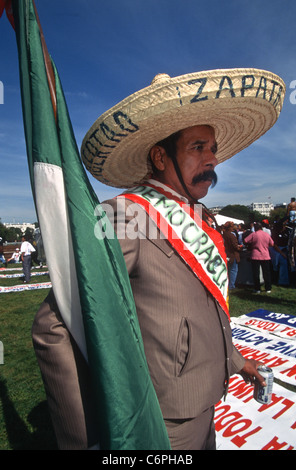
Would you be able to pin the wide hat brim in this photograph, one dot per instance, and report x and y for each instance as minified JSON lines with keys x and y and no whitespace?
{"x":240,"y":104}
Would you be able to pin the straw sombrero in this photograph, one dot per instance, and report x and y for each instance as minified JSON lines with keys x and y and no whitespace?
{"x":240,"y":104}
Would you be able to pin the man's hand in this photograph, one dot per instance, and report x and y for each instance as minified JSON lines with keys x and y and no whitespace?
{"x":249,"y":372}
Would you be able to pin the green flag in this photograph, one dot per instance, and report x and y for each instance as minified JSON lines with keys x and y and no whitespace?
{"x":88,"y":273}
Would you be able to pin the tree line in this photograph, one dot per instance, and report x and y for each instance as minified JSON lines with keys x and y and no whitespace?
{"x":14,"y":234}
{"x":238,"y":211}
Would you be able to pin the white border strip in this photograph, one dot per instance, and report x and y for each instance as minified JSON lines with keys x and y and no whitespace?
{"x":55,"y":228}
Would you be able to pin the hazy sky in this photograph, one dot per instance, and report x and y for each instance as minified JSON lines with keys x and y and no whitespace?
{"x":104,"y":51}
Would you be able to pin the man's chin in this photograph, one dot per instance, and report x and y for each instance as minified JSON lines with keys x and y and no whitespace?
{"x":201,"y":189}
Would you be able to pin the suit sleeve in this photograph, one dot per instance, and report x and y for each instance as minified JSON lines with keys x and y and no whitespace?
{"x":237,"y":361}
{"x":66,"y":379}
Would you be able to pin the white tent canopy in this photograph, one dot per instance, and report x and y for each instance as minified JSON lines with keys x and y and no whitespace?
{"x":222,"y":219}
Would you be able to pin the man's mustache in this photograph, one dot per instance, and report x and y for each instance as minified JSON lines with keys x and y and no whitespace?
{"x":206,"y":176}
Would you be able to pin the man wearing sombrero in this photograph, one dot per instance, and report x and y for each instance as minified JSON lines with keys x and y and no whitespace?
{"x":162,"y":144}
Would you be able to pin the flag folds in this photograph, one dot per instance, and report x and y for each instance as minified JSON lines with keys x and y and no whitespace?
{"x":89,"y":276}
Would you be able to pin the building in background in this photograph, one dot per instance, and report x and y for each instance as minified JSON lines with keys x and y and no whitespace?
{"x":263,"y":207}
{"x":23,"y":227}
{"x":215,"y":210}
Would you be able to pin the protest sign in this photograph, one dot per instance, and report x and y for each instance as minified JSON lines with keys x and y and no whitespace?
{"x":243,"y":424}
{"x":279,"y":324}
{"x":268,"y":337}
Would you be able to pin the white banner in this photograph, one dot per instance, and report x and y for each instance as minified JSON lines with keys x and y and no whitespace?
{"x":279,"y":324}
{"x":244,"y":424}
{"x":8,"y":276}
{"x":21,"y":269}
{"x":279,"y":355}
{"x":270,"y":342}
{"x":241,"y":422}
{"x":11,"y":269}
{"x":44,"y":285}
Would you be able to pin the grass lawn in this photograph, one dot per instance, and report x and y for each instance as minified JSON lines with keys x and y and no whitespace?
{"x":24,"y":420}
{"x":281,"y":300}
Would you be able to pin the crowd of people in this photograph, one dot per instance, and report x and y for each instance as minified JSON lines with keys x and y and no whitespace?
{"x":263,"y":245}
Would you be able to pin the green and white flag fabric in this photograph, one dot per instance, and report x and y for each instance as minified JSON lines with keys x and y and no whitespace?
{"x":89,"y":276}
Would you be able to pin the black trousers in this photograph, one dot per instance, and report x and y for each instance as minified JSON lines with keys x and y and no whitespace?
{"x":265,"y":265}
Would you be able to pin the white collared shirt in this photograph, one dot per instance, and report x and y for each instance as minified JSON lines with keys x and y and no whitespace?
{"x":27,"y":248}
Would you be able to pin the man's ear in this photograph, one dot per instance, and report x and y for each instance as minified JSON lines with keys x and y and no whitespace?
{"x":158,"y":155}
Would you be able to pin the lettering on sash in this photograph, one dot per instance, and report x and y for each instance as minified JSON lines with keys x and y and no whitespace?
{"x":207,"y":262}
{"x":1,"y":93}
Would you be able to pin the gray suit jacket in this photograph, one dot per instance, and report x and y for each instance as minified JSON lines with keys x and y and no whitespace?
{"x":187,"y":336}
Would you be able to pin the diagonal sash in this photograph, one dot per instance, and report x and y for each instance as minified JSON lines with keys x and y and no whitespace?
{"x":199,"y":245}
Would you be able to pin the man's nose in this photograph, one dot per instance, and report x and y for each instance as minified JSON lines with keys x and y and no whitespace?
{"x":210,"y":159}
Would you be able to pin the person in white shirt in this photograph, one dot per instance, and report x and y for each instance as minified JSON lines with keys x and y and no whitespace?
{"x":26,"y":250}
{"x":15,"y":258}
{"x":265,"y":226}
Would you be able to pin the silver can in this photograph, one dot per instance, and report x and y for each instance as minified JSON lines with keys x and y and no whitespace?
{"x":263,"y":394}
